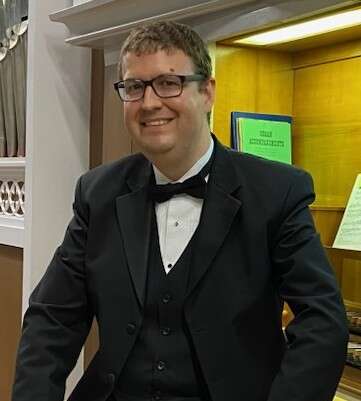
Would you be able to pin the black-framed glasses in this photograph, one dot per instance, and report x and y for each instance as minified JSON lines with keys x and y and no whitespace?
{"x":165,"y":86}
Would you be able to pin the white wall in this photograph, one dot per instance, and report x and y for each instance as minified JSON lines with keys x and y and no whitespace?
{"x":58,"y":113}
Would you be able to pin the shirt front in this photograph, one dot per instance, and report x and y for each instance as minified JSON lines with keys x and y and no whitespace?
{"x":178,"y":218}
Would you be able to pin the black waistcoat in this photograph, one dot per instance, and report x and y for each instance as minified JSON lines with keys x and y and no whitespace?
{"x":162,"y":364}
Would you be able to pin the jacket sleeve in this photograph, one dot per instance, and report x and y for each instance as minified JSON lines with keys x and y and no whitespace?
{"x":317,"y":337}
{"x":58,"y":319}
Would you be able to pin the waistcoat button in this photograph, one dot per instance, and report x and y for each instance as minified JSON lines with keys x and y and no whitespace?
{"x":157,"y":396}
{"x":165,"y":331}
{"x":166,"y":298}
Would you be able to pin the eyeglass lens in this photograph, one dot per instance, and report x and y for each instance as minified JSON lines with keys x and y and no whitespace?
{"x":164,"y":86}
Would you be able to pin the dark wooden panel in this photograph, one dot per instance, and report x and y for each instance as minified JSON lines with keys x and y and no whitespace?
{"x":91,"y":344}
{"x":108,"y":141}
{"x":116,"y":141}
{"x":96,"y":109}
{"x":11,"y":263}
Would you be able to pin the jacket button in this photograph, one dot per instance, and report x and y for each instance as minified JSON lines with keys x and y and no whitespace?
{"x":131,"y":328}
{"x":111,"y":378}
{"x":160,"y":366}
{"x":166,"y":298}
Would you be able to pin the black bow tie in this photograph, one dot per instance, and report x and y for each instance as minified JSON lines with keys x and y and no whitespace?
{"x":194,"y":186}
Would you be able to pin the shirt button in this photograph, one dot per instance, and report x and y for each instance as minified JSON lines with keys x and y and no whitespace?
{"x":165,"y":331}
{"x":166,"y":298}
{"x":160,"y":366}
{"x":170,"y":266}
{"x":176,"y":223}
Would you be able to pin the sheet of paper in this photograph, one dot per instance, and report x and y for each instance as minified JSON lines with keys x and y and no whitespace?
{"x":349,"y":233}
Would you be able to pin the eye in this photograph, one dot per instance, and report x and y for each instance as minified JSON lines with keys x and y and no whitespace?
{"x":168,"y":82}
{"x":132,"y":86}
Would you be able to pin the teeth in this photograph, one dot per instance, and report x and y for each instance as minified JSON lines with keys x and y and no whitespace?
{"x":156,"y":122}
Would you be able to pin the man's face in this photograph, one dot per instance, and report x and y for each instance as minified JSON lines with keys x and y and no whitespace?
{"x":172,"y":129}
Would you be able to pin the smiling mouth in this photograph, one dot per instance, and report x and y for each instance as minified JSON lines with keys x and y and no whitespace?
{"x":156,"y":123}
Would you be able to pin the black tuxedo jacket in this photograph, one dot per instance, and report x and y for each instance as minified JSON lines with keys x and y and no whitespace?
{"x":257,"y":247}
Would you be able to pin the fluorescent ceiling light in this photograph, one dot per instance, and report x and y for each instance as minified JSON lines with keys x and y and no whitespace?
{"x":306,"y":29}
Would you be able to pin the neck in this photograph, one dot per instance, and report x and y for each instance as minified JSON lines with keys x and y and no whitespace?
{"x":173,"y":171}
{"x":175,"y":168}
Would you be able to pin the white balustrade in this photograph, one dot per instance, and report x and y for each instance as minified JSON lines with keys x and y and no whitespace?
{"x":12,"y":198}
{"x":12,"y":201}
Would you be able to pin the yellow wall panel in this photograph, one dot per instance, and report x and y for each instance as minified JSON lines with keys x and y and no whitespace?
{"x":328,"y":93}
{"x":330,"y":53}
{"x":327,"y":127}
{"x":233,"y":90}
{"x":274,"y":83}
{"x":327,"y":221}
{"x":250,"y":80}
{"x":351,"y":280}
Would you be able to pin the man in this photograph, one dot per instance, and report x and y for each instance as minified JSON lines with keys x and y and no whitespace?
{"x":187,"y":282}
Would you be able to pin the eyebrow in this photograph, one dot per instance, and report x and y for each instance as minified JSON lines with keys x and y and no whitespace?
{"x":171,"y":72}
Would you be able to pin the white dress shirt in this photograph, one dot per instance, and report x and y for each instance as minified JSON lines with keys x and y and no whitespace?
{"x":178,"y":218}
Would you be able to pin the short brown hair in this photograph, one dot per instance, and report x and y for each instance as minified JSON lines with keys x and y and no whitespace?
{"x":168,"y":36}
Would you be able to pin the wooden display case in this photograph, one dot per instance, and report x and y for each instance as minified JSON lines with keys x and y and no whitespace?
{"x":318,"y":83}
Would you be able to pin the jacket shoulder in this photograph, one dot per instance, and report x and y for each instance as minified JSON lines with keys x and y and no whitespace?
{"x":110,"y":178}
{"x":256,"y":167}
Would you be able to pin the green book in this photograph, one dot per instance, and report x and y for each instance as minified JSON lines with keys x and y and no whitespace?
{"x":266,"y":138}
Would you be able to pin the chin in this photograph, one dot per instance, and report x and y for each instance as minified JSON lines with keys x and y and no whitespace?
{"x":157,"y":143}
{"x":159,"y":149}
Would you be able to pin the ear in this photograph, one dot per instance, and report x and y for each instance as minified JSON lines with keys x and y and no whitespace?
{"x":208,"y":88}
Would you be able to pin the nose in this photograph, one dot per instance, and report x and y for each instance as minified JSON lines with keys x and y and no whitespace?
{"x":150,"y":99}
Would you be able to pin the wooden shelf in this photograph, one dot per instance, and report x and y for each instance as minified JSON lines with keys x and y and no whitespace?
{"x":349,"y":363}
{"x":351,"y":380}
{"x":352,"y":306}
{"x":326,"y":208}
{"x":345,"y":253}
{"x":355,"y":330}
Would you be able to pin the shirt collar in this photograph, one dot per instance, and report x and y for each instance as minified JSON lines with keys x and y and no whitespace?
{"x":160,"y":178}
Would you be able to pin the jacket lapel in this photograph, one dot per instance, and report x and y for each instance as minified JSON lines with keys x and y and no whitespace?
{"x":134,"y":211}
{"x":219,"y":210}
